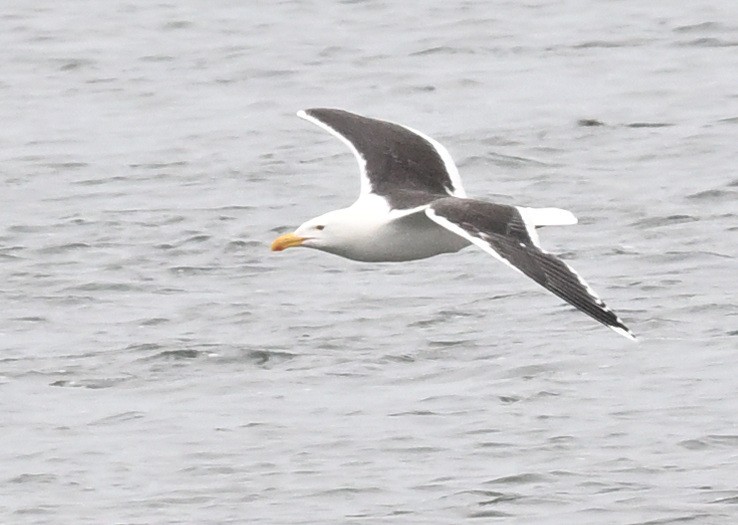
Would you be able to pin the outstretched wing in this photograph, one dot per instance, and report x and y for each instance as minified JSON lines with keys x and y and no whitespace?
{"x":404,"y":166}
{"x":502,"y":232}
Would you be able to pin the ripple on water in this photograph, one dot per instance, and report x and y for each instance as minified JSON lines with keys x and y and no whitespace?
{"x":714,"y":195}
{"x":218,"y":353}
{"x":114,"y":419}
{"x":668,"y":220}
{"x":91,"y":383}
{"x":177,"y":355}
{"x":732,"y":500}
{"x":244,"y":386}
{"x":517,"y":479}
{"x":43,"y":478}
{"x":489,"y":513}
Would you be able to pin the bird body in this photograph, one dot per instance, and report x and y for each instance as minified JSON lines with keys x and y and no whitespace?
{"x":412,"y":206}
{"x":361,"y":233}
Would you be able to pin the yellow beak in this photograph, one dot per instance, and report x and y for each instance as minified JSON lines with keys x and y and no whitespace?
{"x":288,"y":240}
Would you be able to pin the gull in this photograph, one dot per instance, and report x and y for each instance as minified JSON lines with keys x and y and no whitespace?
{"x":412,"y":205}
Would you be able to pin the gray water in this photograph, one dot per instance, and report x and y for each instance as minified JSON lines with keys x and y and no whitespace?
{"x":159,"y":365}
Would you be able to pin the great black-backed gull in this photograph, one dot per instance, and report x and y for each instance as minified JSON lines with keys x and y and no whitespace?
{"x":412,"y":206}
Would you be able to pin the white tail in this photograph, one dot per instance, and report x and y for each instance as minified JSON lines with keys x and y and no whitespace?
{"x":546,"y":216}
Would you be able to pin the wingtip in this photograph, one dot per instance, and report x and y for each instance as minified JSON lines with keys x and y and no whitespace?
{"x":622,"y":330}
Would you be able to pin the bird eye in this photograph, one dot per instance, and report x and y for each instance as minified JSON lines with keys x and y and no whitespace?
{"x":320,"y":227}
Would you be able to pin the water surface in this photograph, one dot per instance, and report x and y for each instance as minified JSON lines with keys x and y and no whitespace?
{"x":160,"y":365}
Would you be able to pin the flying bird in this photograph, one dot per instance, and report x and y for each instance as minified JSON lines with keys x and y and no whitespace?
{"x":412,"y":206}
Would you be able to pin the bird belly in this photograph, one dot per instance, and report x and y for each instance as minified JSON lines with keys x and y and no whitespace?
{"x":405,"y":239}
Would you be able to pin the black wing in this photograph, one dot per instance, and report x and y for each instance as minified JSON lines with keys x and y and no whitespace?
{"x":501,"y":231}
{"x":400,"y":164}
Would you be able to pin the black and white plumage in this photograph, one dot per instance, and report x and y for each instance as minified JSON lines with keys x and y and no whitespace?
{"x":412,"y":206}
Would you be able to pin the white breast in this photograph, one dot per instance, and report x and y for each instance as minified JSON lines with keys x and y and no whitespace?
{"x":408,"y":238}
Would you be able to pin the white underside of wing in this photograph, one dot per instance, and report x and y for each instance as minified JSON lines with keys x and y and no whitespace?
{"x":366,"y":187}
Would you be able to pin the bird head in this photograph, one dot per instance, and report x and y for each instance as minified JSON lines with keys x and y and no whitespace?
{"x":321,"y":233}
